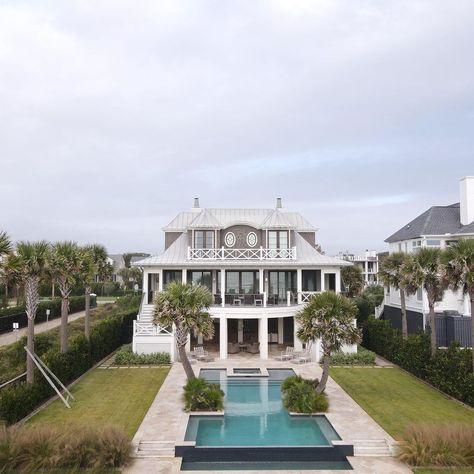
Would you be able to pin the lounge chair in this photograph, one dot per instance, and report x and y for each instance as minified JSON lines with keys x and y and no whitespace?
{"x":253,"y":348}
{"x":200,"y":353}
{"x":287,"y":354}
{"x":302,"y":357}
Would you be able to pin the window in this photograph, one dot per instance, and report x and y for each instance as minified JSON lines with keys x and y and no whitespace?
{"x":278,"y":239}
{"x":229,"y":239}
{"x":171,"y":275}
{"x":416,"y":243}
{"x":204,"y":239}
{"x":280,"y":283}
{"x":242,"y":283}
{"x":419,"y":294}
{"x":203,"y":278}
{"x":311,"y":280}
{"x":252,"y":239}
{"x":433,"y":243}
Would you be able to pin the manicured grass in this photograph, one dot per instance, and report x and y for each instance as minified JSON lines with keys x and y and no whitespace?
{"x":118,"y":397}
{"x":396,"y":400}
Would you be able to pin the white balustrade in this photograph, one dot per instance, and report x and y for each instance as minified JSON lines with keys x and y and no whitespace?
{"x":242,"y":254}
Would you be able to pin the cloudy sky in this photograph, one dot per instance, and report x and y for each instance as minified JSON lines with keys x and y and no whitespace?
{"x":115,"y":114}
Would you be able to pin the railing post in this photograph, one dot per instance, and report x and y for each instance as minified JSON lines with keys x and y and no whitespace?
{"x":222,"y":255}
{"x":261,"y":252}
{"x":264,"y":299}
{"x":189,"y":252}
{"x":288,"y":298}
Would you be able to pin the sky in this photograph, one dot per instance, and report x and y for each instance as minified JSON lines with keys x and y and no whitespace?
{"x":115,"y":114}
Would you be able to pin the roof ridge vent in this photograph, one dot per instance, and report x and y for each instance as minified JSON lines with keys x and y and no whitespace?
{"x":196,"y":203}
{"x":279,"y":204}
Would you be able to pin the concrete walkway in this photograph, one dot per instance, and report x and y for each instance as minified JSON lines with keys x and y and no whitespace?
{"x":165,"y":422}
{"x":11,"y":337}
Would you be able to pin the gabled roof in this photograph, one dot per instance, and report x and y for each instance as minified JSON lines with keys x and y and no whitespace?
{"x":437,"y":220}
{"x":223,"y":218}
{"x":176,"y":255}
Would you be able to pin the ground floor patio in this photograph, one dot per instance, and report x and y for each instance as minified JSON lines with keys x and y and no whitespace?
{"x":165,"y":421}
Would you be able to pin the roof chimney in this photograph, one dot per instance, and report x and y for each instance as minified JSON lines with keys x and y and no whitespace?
{"x":196,"y":203}
{"x":467,"y":199}
{"x":279,"y":206}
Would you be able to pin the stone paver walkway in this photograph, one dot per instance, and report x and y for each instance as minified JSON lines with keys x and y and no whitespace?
{"x":165,"y":421}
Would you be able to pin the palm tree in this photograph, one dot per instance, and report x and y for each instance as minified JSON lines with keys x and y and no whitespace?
{"x":353,"y":280}
{"x":330,"y":317}
{"x":65,"y":265}
{"x":186,"y":308}
{"x":93,"y":262}
{"x":459,"y":267}
{"x":10,"y":274}
{"x":426,"y":270}
{"x":130,"y":276}
{"x":5,"y":243}
{"x":34,"y":260}
{"x":393,"y":274}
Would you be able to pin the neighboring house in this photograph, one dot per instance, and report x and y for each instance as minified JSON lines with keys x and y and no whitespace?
{"x":118,"y":262}
{"x":439,"y":226}
{"x":368,"y":263}
{"x":261,"y":266}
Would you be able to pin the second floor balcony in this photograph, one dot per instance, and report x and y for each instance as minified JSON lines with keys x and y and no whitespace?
{"x":224,"y":253}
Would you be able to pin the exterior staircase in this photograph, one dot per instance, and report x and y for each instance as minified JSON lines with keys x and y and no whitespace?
{"x":146,"y":313}
{"x":155,"y":449}
{"x":372,"y":447}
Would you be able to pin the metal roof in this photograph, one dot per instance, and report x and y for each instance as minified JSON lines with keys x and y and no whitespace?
{"x":223,"y":218}
{"x":437,"y":220}
{"x":176,"y":256}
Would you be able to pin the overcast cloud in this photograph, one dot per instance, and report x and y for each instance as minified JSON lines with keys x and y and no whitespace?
{"x":114,"y":114}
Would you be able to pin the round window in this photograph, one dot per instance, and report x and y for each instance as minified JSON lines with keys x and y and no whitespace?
{"x":230,"y":239}
{"x":252,"y":239}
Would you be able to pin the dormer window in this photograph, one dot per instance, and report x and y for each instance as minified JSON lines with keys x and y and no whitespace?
{"x":204,"y":239}
{"x":278,"y":239}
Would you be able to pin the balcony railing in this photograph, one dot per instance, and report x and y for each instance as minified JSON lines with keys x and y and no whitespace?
{"x":241,"y":254}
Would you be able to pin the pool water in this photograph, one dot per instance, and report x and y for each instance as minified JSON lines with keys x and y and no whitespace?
{"x":255,"y":416}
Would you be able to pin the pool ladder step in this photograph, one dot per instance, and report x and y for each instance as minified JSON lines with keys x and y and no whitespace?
{"x":371,"y":447}
{"x":155,"y":449}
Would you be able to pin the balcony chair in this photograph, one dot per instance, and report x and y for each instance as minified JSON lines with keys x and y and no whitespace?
{"x":200,"y":353}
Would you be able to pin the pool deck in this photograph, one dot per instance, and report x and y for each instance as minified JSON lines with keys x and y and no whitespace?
{"x":165,"y":421}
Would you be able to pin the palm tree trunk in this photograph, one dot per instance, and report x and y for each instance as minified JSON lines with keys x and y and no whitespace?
{"x":88,"y":312}
{"x":30,"y":344}
{"x":185,"y":361}
{"x":432,"y":322}
{"x":471,"y":297}
{"x":324,"y":378}
{"x":5,"y":296}
{"x":404,"y":314}
{"x":64,"y":318}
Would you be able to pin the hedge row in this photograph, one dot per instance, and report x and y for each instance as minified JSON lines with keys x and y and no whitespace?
{"x":450,"y":370}
{"x":105,"y":288}
{"x":106,"y":336}
{"x":8,"y":316}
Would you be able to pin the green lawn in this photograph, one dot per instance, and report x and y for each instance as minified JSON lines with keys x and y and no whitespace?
{"x":396,"y":400}
{"x":119,"y":397}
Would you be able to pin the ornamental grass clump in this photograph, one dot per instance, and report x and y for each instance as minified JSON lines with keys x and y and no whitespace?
{"x":300,"y":396}
{"x":200,"y":395}
{"x":43,"y":448}
{"x":438,"y":446}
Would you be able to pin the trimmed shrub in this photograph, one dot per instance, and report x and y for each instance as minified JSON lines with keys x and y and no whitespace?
{"x":125,"y":356}
{"x":361,"y":357}
{"x":106,"y":336}
{"x":33,"y":449}
{"x":440,"y":446}
{"x":450,"y":370}
{"x":299,"y":395}
{"x":200,"y":395}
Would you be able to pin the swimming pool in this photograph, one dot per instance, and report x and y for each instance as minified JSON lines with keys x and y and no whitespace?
{"x":255,"y":416}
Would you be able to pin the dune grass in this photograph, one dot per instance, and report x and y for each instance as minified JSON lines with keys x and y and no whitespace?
{"x":119,"y":397}
{"x":397,"y":400}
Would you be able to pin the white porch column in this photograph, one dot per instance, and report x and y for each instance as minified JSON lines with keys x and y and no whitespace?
{"x":145,"y":285}
{"x":338,"y":280}
{"x":188,"y":343}
{"x":323,"y":280}
{"x":223,"y":337}
{"x":214,"y":281}
{"x":184,"y":276}
{"x":280,"y":330}
{"x":160,"y":279}
{"x":261,"y":281}
{"x":240,"y":330}
{"x":299,"y":283}
{"x":223,"y":288}
{"x":263,"y":337}
{"x":296,"y":342}
{"x":200,"y":339}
